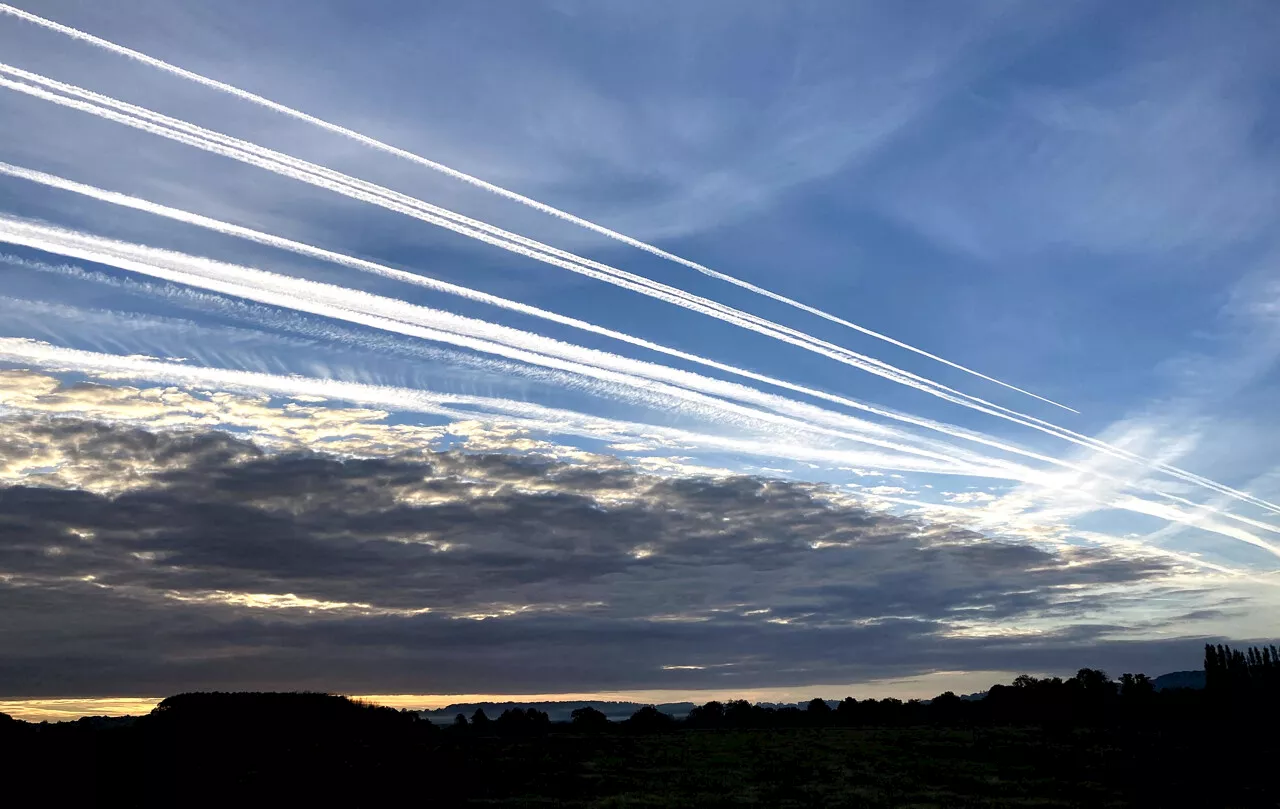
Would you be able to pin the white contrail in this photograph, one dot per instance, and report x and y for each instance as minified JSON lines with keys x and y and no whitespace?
{"x":503,"y":192}
{"x":519,"y":414}
{"x":1141,"y":506}
{"x":267,"y":319}
{"x":399,"y":317}
{"x":288,"y":166}
{"x":238,"y":308}
{"x":259,"y":237}
{"x":294,"y":168}
{"x":326,"y":178}
{"x":660,"y":383}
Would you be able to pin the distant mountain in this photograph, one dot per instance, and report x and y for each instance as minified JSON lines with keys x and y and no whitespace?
{"x":1180,"y":679}
{"x":558,"y":711}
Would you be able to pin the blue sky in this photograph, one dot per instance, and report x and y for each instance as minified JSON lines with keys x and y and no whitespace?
{"x":1079,"y":201}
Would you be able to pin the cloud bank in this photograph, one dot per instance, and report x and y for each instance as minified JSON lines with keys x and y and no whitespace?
{"x":138,"y":560}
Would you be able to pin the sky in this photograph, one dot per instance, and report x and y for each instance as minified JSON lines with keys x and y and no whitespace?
{"x":568,"y":348}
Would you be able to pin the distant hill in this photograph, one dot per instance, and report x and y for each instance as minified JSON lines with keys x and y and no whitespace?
{"x":557,"y":711}
{"x":1180,"y":679}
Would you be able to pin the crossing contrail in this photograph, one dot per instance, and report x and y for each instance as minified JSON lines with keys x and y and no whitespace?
{"x":188,"y":293}
{"x":657,"y":382}
{"x":495,"y":189}
{"x":312,"y":251}
{"x":288,"y":166}
{"x":411,"y":320}
{"x":295,"y":168}
{"x":397,"y":316}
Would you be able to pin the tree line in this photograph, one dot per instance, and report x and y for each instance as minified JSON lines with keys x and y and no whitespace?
{"x":286,"y":746}
{"x":1248,"y":678}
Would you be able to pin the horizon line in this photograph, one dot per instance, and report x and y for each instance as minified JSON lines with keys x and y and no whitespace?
{"x":920,"y":686}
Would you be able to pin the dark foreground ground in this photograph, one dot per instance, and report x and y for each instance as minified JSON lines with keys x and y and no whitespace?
{"x":782,"y":767}
{"x":875,"y":767}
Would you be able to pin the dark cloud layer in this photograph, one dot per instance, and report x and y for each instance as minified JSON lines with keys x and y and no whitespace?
{"x":222,"y":565}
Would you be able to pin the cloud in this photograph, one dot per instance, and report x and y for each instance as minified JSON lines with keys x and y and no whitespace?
{"x":285,"y":165}
{"x":243,"y":530}
{"x":173,"y":267}
{"x":455,"y":174}
{"x":613,"y":370}
{"x":1187,"y":426}
{"x":223,"y":562}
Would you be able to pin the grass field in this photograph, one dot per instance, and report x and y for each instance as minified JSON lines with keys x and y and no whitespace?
{"x":362,"y":756}
{"x":872,"y":767}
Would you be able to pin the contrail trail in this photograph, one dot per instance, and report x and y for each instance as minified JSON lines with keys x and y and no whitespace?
{"x":252,"y":321}
{"x":294,"y":168}
{"x":259,"y":237}
{"x":397,"y":316}
{"x":318,"y":299}
{"x":804,"y":412}
{"x":519,"y":414}
{"x":265,"y":319}
{"x":495,"y":189}
{"x":528,"y":416}
{"x":285,"y":165}
{"x":187,"y":217}
{"x":393,"y":315}
{"x":321,"y":177}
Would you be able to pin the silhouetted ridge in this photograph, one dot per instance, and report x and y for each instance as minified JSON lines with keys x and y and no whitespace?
{"x":289,"y":711}
{"x":1086,"y":740}
{"x":1180,"y":679}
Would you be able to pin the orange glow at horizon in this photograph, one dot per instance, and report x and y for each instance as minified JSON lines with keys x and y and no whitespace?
{"x":919,"y":687}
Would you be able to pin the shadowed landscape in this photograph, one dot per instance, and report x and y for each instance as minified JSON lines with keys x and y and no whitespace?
{"x":1084,"y":741}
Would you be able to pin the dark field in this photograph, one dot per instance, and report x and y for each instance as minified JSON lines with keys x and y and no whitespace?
{"x":783,"y":767}
{"x":868,"y":767}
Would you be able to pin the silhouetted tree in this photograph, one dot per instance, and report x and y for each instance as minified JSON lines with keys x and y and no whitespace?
{"x":819,"y":711}
{"x":1213,"y":671}
{"x":589,"y":719}
{"x":1095,"y":682}
{"x":847,"y":712}
{"x":522,"y":721}
{"x":650,"y":720}
{"x":946,"y":708}
{"x":742,"y":714}
{"x":1136,"y":686}
{"x":1242,"y":683}
{"x":710,"y":715}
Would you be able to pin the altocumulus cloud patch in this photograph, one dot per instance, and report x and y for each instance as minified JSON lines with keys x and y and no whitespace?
{"x":138,"y":559}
